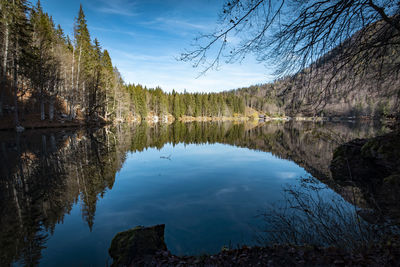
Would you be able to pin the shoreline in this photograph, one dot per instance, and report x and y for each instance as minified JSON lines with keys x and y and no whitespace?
{"x":46,"y":125}
{"x":50,"y":125}
{"x":8,"y":124}
{"x":213,"y":119}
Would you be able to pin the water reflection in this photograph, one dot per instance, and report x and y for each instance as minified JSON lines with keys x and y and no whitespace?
{"x":45,"y":173}
{"x":308,"y":217}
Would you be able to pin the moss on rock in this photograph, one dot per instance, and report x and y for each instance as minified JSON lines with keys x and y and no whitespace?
{"x":372,"y":165}
{"x":136,"y":243}
{"x":393,"y":180}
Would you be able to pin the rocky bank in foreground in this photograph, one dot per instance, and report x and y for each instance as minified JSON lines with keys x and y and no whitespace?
{"x":145,"y":246}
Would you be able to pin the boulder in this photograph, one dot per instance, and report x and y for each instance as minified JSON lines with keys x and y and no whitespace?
{"x":350,"y":165}
{"x":373,"y":166}
{"x":367,"y":159}
{"x":137,"y":244}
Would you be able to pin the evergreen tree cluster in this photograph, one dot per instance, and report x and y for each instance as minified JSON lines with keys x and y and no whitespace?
{"x":144,"y":100}
{"x":44,"y":71}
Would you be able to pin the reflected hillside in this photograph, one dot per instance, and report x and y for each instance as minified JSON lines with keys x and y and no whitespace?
{"x":309,"y":144}
{"x":44,"y":174}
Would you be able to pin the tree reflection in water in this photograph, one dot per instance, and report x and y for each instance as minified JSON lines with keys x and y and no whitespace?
{"x":45,"y":173}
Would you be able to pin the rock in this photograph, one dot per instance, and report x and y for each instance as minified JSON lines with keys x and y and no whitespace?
{"x":135,"y":245}
{"x":384,"y":150}
{"x":373,"y":166}
{"x":367,"y":160}
{"x":350,"y":165}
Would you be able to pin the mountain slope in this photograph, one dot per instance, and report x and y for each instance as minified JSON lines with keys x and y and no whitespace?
{"x":358,"y":78}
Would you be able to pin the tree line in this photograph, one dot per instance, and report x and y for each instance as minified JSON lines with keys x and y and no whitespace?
{"x":46,"y":72}
{"x":143,"y":101}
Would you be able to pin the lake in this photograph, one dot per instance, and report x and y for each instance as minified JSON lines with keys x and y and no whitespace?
{"x":66,"y":193}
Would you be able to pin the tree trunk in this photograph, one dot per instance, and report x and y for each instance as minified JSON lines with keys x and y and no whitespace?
{"x":15,"y":85}
{"x":44,"y":146}
{"x":83,"y":97}
{"x":115,"y":92}
{"x":72,"y":111}
{"x":53,"y":144}
{"x":79,"y":70}
{"x":42,"y":114}
{"x":1,"y":99}
{"x":71,"y":103}
{"x":51,"y":108}
{"x":106,"y":106}
{"x":77,"y":79}
{"x":4,"y":68}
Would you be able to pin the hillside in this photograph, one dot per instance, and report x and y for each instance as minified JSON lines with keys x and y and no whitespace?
{"x":358,"y":78}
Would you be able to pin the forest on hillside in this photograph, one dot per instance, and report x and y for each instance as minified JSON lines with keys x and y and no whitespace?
{"x":330,"y":58}
{"x":367,"y":85}
{"x":47,"y":75}
{"x":50,"y":77}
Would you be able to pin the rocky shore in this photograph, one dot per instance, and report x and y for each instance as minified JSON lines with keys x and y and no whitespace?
{"x":145,"y":246}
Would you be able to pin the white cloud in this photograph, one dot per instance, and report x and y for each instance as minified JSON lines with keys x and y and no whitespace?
{"x":113,"y":30}
{"x":286,"y":175}
{"x":224,"y":191}
{"x":162,"y":22}
{"x":116,"y":7}
{"x":129,"y":57}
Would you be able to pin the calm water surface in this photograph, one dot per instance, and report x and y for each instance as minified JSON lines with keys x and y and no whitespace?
{"x":65,"y":194}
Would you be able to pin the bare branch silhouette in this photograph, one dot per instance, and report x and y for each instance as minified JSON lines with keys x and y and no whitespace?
{"x":292,"y":34}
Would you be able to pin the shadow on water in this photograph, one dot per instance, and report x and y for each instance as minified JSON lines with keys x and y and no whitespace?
{"x":45,"y":173}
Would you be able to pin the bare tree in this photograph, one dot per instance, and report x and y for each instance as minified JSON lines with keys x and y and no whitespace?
{"x":292,"y":34}
{"x":327,"y":50}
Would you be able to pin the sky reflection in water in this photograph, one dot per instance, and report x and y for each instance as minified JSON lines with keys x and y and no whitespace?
{"x":207,"y":195}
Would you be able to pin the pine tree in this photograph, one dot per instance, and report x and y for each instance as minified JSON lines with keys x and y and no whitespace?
{"x":84,"y":50}
{"x":177,"y":106}
{"x":197,"y":103}
{"x":46,"y":67}
{"x":108,"y":82}
{"x":20,"y":37}
{"x":95,"y":96}
{"x":5,"y":21}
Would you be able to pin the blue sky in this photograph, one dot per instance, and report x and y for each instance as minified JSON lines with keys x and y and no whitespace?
{"x":144,"y":38}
